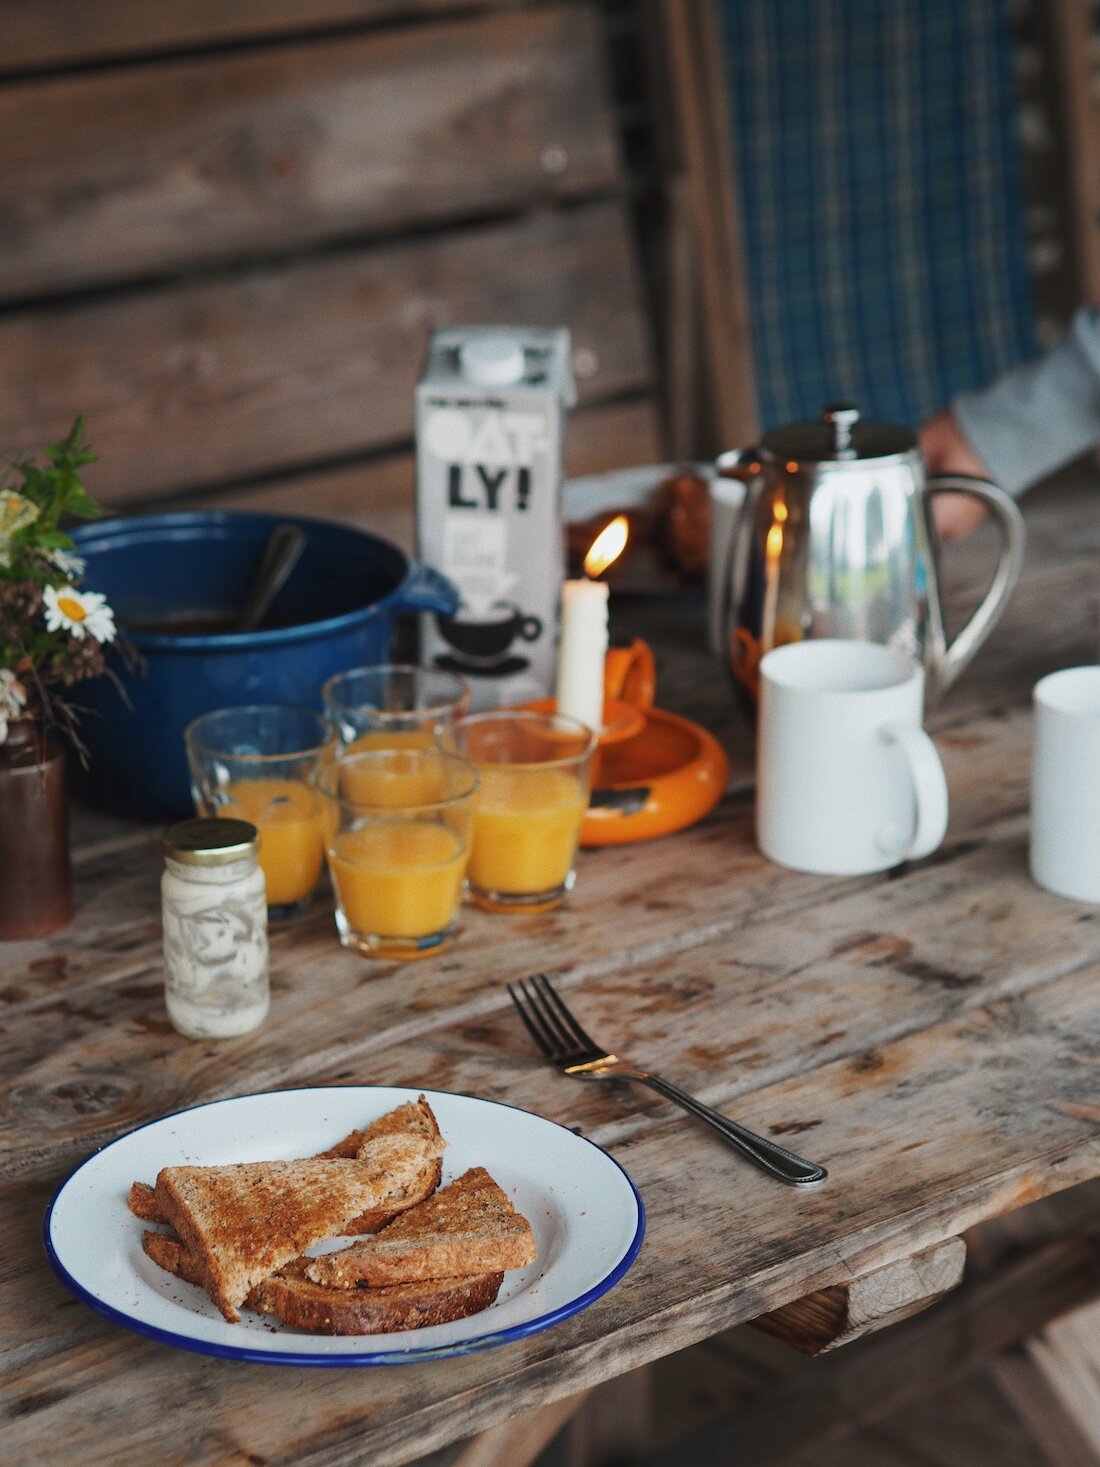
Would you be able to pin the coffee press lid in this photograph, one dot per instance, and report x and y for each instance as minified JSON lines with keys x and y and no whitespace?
{"x":840,"y":435}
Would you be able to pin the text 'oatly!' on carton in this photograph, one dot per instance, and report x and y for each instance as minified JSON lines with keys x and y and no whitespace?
{"x":490,"y":418}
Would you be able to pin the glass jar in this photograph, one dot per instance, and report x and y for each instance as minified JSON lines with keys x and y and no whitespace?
{"x":214,"y":910}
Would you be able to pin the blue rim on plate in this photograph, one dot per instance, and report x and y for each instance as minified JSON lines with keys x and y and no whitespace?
{"x":627,"y":1220}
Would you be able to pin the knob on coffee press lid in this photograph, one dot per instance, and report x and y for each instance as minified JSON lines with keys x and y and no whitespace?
{"x":840,"y":435}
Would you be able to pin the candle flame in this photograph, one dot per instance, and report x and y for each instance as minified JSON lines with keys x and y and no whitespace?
{"x":608,"y":545}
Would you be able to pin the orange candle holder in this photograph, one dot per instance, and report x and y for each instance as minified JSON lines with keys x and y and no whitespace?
{"x":655,"y":772}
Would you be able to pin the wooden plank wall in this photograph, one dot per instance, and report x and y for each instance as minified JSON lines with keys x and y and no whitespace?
{"x":226,"y":232}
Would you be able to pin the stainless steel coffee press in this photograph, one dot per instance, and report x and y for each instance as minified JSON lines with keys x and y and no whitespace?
{"x":835,"y":539}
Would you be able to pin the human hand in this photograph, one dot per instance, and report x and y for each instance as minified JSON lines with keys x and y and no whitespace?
{"x":946,"y":451}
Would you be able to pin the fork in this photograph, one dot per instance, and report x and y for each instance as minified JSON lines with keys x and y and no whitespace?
{"x":565,"y":1044}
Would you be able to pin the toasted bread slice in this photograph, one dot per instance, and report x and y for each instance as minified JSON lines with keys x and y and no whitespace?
{"x":142,"y":1202}
{"x":291,"y":1297}
{"x":168,"y":1252}
{"x":240,"y":1223}
{"x":414,"y":1117}
{"x":468,"y":1227}
{"x":297,"y":1301}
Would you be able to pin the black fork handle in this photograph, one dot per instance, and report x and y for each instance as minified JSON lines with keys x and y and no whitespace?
{"x":781,"y":1163}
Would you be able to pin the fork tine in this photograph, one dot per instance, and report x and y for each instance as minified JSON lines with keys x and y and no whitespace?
{"x":563,"y":1041}
{"x":576,"y":1035}
{"x":527,"y":1013}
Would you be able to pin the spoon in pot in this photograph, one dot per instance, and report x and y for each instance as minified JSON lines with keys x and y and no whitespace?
{"x":280,"y":555}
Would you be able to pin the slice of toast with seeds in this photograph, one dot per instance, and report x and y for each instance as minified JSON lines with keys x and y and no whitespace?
{"x":291,"y":1297}
{"x":241,"y":1222}
{"x":467,"y":1227}
{"x":294,"y":1299}
{"x":414,"y":1116}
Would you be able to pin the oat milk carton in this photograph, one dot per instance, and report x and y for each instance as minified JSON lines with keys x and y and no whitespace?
{"x":490,"y":414}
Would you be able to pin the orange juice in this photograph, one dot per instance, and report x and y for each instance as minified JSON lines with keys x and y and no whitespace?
{"x":398,"y":878}
{"x":525,"y":829}
{"x":401,"y":780}
{"x":286,"y":813}
{"x":397,"y":738}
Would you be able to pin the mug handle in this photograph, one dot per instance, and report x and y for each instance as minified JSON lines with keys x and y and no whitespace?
{"x":948,"y":661}
{"x":930,"y":789}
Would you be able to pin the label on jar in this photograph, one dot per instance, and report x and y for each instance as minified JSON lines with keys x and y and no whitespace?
{"x":215,"y":949}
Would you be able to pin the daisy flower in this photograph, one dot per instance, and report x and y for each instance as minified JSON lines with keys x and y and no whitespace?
{"x":16,"y":512}
{"x":13,"y":699}
{"x":79,"y":612}
{"x":68,"y":562}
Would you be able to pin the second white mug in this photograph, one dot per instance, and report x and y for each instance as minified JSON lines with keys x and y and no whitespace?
{"x":1065,"y":784}
{"x":847,"y":781}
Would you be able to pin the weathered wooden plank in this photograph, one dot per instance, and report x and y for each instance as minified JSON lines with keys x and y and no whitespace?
{"x":235,"y":377}
{"x":108,"y":963}
{"x":689,"y":47}
{"x":150,"y":170}
{"x":518,"y":1442}
{"x":106,"y":975}
{"x":54,"y":33}
{"x":931,"y":1036}
{"x":378,"y":495}
{"x":614,"y":1422}
{"x":961,"y":1424}
{"x":823,"y":1405}
{"x":1067,"y":1355}
{"x":915,"y":1156}
{"x":851,"y":1008}
{"x":863,"y":964}
{"x":1034,"y":1401}
{"x":845,"y":1312}
{"x":1071,"y":35}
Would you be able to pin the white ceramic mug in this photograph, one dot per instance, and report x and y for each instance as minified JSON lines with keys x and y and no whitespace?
{"x":1065,"y":784}
{"x":847,"y":781}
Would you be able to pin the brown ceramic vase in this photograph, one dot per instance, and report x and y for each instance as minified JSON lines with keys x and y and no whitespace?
{"x":36,"y":884}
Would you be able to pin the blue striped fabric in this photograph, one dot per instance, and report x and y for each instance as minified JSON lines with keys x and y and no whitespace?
{"x":881,"y":202}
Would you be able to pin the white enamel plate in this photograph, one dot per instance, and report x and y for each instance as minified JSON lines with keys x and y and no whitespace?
{"x":586,"y":1213}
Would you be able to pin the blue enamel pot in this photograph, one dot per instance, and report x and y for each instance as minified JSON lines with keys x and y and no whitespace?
{"x":170,"y":578}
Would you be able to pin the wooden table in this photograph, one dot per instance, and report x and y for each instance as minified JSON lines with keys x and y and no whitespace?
{"x":931,"y":1035}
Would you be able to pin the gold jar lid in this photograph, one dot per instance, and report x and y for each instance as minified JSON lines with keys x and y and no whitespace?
{"x":210,"y":841}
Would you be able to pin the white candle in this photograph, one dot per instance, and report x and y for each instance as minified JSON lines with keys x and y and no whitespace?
{"x":582,"y":651}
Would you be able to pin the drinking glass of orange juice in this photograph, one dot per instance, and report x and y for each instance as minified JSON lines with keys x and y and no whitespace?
{"x":393,"y":705}
{"x":257,"y":763}
{"x":536,"y":771}
{"x":397,"y":865}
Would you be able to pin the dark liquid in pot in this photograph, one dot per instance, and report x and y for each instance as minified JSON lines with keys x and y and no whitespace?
{"x":203,"y":624}
{"x":185,"y":624}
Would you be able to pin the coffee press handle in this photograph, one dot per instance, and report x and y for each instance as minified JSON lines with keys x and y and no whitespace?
{"x":929,"y":790}
{"x":958,"y":652}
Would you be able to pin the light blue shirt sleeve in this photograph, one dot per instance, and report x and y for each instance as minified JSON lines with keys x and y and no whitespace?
{"x":1040,"y":415}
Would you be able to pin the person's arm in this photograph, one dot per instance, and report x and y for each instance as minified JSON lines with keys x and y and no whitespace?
{"x":1021,"y":428}
{"x":945,"y":450}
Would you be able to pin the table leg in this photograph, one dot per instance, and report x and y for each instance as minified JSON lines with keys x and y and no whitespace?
{"x":516,"y":1443}
{"x":1053,"y":1383}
